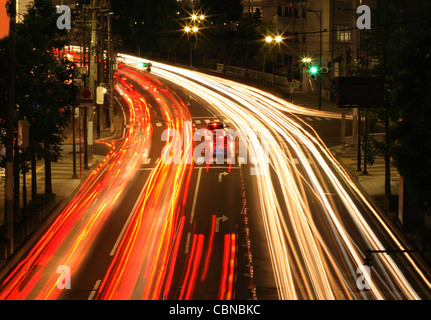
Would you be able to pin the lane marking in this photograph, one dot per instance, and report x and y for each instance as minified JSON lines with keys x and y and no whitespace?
{"x":223,"y":219}
{"x":187,"y":242}
{"x":220,"y":175}
{"x":194,"y":168}
{"x":129,"y":218}
{"x":195,"y":196}
{"x":93,"y":292}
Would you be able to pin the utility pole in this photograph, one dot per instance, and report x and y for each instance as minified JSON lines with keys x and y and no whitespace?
{"x":319,"y":80}
{"x":84,"y":45}
{"x":100,"y":74}
{"x":320,"y":60}
{"x":91,"y":81}
{"x":110,"y":75}
{"x":10,"y":130}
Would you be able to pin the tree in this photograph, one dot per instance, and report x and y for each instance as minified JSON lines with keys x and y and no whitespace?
{"x":222,"y":11}
{"x":412,"y":135}
{"x":381,"y":60}
{"x":44,"y":94}
{"x":223,"y":36}
{"x":144,"y":27}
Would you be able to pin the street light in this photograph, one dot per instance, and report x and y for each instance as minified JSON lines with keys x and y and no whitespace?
{"x":197,"y":17}
{"x":319,"y":16}
{"x":276,"y":39}
{"x":189,"y":30}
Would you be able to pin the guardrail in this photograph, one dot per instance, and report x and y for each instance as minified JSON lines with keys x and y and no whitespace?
{"x":259,"y":75}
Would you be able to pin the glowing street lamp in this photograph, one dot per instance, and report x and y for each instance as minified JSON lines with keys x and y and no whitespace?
{"x":269,"y":40}
{"x":189,"y":30}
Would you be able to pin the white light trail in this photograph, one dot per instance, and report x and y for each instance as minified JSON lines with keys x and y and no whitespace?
{"x":307,"y":231}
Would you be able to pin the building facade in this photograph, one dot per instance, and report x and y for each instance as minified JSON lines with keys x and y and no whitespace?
{"x":22,"y":5}
{"x":191,"y":4}
{"x":322,"y":30}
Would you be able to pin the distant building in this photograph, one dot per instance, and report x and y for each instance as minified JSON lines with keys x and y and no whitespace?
{"x":21,"y":9}
{"x":307,"y":26}
{"x":21,"y":6}
{"x":188,"y":3}
{"x":252,"y":5}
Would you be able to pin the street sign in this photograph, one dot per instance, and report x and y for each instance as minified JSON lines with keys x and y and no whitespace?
{"x":86,"y":93}
{"x":360,"y":92}
{"x":86,"y":96}
{"x":100,"y":95}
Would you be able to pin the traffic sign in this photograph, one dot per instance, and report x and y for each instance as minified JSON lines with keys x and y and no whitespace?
{"x":86,"y":93}
{"x":360,"y":92}
{"x":86,"y":96}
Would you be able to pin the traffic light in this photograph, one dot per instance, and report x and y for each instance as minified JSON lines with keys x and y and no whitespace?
{"x":314,"y":72}
{"x":147,"y":66}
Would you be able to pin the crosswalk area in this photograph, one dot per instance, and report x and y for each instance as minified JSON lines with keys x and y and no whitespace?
{"x":199,"y":122}
{"x":313,"y":119}
{"x":373,"y":180}
{"x":350,"y":156}
{"x":202,"y":121}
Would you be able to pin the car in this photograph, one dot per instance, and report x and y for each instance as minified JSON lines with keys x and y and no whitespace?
{"x":221,"y":139}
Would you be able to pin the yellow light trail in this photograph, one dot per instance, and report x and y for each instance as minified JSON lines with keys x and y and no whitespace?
{"x":314,"y":226}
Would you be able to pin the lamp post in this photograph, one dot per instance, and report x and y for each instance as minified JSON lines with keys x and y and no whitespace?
{"x":189,"y":31}
{"x":192,"y":28}
{"x":319,"y":79}
{"x":276,"y":40}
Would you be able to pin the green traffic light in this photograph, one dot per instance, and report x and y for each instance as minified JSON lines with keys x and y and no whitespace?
{"x":140,"y":64}
{"x":314,"y":70}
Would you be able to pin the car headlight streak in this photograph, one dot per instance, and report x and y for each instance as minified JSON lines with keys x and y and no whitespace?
{"x":297,"y":237}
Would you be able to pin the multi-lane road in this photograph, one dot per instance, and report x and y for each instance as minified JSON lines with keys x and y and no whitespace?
{"x":283,"y":221}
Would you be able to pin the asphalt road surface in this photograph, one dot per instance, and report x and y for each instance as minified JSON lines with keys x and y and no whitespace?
{"x":282,"y":221}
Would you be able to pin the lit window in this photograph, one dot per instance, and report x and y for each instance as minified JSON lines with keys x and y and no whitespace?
{"x":343,"y":35}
